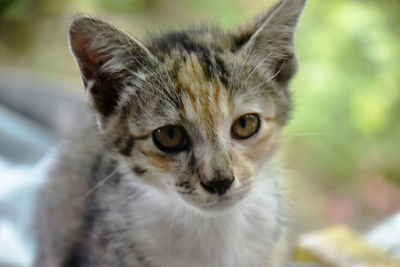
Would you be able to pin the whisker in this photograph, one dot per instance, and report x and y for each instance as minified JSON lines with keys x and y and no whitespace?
{"x":257,"y":66}
{"x":142,"y":65}
{"x":307,"y":134}
{"x":152,"y":86}
{"x":245,"y":60}
{"x":279,"y":70}
{"x":99,"y":184}
{"x":124,"y":46}
{"x":270,"y":78}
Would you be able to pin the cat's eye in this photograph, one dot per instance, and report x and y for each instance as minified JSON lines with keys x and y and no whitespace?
{"x":171,"y":138}
{"x":245,"y":126}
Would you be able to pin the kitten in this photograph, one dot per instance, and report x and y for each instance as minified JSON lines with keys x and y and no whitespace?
{"x":179,"y":170}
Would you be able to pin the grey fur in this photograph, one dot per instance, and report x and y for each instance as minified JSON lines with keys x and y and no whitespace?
{"x":191,"y":79}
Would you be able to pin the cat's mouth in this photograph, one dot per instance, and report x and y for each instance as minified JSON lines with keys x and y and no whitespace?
{"x":214,"y":197}
{"x":214,"y":203}
{"x":221,"y":203}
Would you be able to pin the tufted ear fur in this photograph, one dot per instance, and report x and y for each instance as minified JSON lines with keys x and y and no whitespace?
{"x":105,"y":55}
{"x":268,"y":39}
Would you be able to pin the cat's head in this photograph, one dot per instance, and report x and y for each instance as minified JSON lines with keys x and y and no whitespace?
{"x":196,"y":112}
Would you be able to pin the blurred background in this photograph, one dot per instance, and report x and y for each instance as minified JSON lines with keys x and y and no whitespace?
{"x":341,"y":150}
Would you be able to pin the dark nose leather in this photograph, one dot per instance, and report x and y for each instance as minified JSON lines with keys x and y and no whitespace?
{"x":217,"y":186}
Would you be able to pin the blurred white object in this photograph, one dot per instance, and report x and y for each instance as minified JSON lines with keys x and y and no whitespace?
{"x":387,"y":236}
{"x":19,"y":187}
{"x":27,"y":131}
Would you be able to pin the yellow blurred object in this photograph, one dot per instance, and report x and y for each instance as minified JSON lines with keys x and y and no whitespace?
{"x":341,"y":247}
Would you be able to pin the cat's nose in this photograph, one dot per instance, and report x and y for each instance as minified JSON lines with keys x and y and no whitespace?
{"x":217,"y":186}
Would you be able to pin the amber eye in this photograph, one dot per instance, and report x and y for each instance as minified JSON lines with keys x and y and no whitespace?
{"x":245,"y":126}
{"x":171,"y":138}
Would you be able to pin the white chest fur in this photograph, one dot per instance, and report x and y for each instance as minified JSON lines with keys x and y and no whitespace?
{"x":173,"y":234}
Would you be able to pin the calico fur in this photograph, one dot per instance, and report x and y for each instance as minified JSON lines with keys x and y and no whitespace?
{"x":113,"y":198}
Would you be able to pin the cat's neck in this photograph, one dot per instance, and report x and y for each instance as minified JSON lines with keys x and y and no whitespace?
{"x":169,"y":228}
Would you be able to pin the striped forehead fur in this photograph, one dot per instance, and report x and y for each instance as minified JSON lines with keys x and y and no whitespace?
{"x":194,"y":70}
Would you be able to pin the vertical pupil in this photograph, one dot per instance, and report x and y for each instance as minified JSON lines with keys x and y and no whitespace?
{"x":242,"y":122}
{"x":171,"y":133}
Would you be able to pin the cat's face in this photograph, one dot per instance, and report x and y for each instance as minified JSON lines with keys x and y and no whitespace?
{"x":208,"y":143}
{"x":194,"y":113}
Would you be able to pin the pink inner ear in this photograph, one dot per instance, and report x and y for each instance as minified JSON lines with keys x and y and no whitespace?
{"x":103,"y":88}
{"x":88,"y":57}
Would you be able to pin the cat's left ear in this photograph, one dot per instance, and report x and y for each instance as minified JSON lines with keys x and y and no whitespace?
{"x":269,"y":39}
{"x":105,"y":55}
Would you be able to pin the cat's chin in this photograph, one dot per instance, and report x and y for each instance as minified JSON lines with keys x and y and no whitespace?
{"x":219,"y":206}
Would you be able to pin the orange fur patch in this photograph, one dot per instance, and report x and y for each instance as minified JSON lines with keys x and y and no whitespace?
{"x":266,"y":145}
{"x":203,"y":97}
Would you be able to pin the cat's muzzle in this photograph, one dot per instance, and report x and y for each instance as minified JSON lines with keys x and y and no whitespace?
{"x":217,"y":186}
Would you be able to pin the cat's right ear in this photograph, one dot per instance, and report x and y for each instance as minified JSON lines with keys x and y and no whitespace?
{"x":105,"y":55}
{"x":268,"y":39}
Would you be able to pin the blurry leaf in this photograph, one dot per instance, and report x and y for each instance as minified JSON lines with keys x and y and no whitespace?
{"x":347,"y":89}
{"x":370,"y":112}
{"x":14,"y":9}
{"x":124,"y":6}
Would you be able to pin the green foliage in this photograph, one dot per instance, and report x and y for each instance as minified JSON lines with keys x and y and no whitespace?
{"x":11,"y":9}
{"x":347,"y":92}
{"x":123,"y":6}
